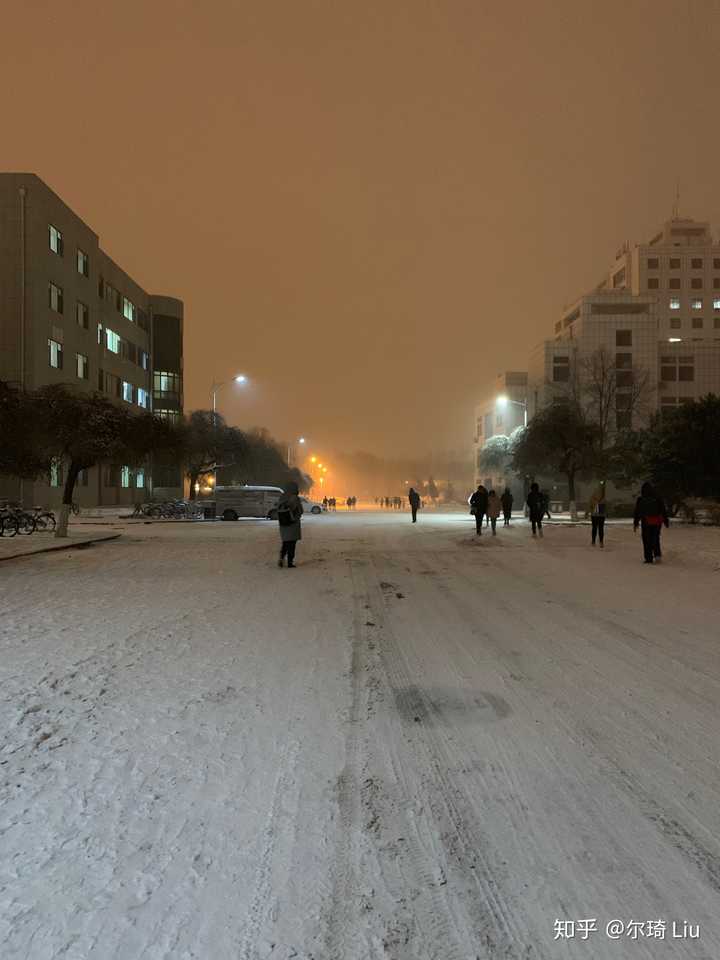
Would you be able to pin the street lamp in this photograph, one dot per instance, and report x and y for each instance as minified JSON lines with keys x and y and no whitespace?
{"x":240,"y":378}
{"x":502,"y":401}
{"x":290,"y":450}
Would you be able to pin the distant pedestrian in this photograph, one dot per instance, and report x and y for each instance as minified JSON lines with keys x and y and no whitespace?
{"x":325,"y":503}
{"x":414,"y":498}
{"x":597,"y":508}
{"x":535,"y":509}
{"x":545,"y":503}
{"x":493,"y":510}
{"x":506,"y":500}
{"x":290,"y":511}
{"x":478,"y":506}
{"x":650,"y":515}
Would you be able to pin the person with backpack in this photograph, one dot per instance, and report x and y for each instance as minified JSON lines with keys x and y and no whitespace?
{"x":478,"y":506}
{"x":289,"y":512}
{"x":535,"y":509}
{"x":597,"y":509}
{"x":650,"y":515}
{"x":506,"y":501}
{"x":414,"y":498}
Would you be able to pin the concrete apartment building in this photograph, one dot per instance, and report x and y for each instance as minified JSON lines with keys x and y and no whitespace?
{"x":69,"y":314}
{"x":656,"y":310}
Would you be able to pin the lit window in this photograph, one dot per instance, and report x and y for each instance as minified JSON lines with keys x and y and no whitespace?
{"x":82,"y":366}
{"x":82,"y":315}
{"x":55,"y":298}
{"x":100,"y":333}
{"x":140,"y":479}
{"x":143,"y":398}
{"x":716,"y":304}
{"x":124,"y":476}
{"x":83,"y":263}
{"x":112,"y":340}
{"x":128,"y":309}
{"x":55,"y":354}
{"x":56,"y":240}
{"x":143,"y":359}
{"x":127,"y":391}
{"x":674,"y":303}
{"x":696,"y":304}
{"x":56,"y":477}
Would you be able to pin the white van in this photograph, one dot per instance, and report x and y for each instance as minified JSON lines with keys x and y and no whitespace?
{"x":247,"y":501}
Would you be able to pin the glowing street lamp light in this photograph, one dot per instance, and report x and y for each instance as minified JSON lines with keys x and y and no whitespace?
{"x":290,"y":450}
{"x":503,"y":400}
{"x":240,"y":378}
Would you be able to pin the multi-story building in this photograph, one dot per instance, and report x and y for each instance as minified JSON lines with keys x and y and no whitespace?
{"x":501,"y":412}
{"x":69,"y":314}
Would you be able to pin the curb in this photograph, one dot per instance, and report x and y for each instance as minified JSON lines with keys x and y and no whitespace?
{"x":86,"y":541}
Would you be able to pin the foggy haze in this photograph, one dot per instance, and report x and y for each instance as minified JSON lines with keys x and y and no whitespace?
{"x":371,"y":209}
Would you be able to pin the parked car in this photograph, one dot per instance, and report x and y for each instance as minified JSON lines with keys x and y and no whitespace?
{"x":233,"y":502}
{"x":311,"y":506}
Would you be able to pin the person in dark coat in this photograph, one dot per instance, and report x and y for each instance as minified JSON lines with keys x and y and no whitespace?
{"x":535,"y":509}
{"x":506,"y":501}
{"x":479,"y":506}
{"x":650,"y":515}
{"x":290,"y":510}
{"x":414,"y":498}
{"x":545,"y":503}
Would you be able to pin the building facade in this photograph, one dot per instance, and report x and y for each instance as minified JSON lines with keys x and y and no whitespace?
{"x":501,"y":412}
{"x":69,"y":314}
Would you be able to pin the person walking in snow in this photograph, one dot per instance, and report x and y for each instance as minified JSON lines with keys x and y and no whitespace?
{"x":493,"y":510}
{"x":545,"y":504}
{"x":506,"y":501}
{"x":414,"y":498}
{"x":597,"y":509}
{"x":478,"y":506}
{"x":535,"y":509}
{"x":650,"y":515}
{"x":290,"y":510}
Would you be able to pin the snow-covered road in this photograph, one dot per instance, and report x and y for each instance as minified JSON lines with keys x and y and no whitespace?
{"x":415,"y":745}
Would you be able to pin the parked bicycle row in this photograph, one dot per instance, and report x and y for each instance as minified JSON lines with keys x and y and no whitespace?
{"x":15,"y":520}
{"x":169,"y":510}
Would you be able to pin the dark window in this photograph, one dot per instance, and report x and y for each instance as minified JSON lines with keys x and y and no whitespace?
{"x":624,"y":378}
{"x":696,"y":263}
{"x":697,"y":323}
{"x":686,"y":373}
{"x":674,"y":263}
{"x":716,"y":263}
{"x":623,"y":361}
{"x":55,"y":298}
{"x":696,"y":283}
{"x":82,"y":315}
{"x":668,"y":373}
{"x":653,"y":283}
{"x":716,"y":283}
{"x":675,"y":323}
{"x":623,"y":420}
{"x":561,"y":369}
{"x":653,"y":263}
{"x":623,"y":338}
{"x":101,"y":287}
{"x":716,"y":323}
{"x":674,"y":283}
{"x":623,"y":401}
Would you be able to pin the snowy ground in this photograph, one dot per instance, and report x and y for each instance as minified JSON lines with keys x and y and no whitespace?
{"x":415,"y":745}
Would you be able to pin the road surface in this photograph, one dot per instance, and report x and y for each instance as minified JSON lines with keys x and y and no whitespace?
{"x":416,"y":745}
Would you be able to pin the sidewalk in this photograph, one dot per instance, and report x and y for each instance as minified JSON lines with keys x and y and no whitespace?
{"x":11,"y":548}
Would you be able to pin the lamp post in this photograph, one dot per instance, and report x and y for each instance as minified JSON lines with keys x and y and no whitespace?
{"x":290,"y":450}
{"x":503,"y":400}
{"x":240,"y":378}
